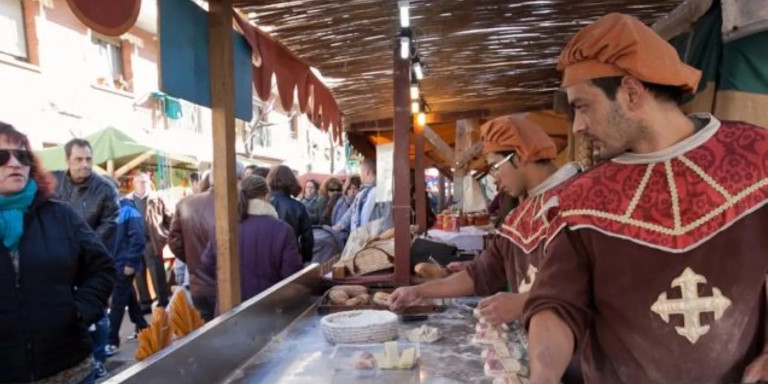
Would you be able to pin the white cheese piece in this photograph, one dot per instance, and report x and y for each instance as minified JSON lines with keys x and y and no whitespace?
{"x":393,"y":355}
{"x":408,"y":359}
{"x":381,"y":360}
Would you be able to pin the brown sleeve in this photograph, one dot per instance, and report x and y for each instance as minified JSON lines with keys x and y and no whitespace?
{"x":563,"y":284}
{"x":176,"y":237}
{"x":487,"y":270}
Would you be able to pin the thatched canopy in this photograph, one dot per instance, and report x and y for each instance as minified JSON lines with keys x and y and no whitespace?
{"x":490,"y":54}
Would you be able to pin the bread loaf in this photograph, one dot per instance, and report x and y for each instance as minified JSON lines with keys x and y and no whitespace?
{"x":429,"y":270}
{"x":351,"y":290}
{"x":381,"y":298}
{"x":338,"y":297}
{"x":364,"y":298}
{"x":354,"y":301}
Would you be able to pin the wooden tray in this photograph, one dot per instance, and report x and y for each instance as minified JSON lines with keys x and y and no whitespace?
{"x":430,"y":306}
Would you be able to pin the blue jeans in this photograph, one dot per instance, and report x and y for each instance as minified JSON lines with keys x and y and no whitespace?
{"x":99,"y":339}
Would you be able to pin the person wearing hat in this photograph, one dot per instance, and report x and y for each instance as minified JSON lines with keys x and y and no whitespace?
{"x":655,"y":264}
{"x":520,"y":156}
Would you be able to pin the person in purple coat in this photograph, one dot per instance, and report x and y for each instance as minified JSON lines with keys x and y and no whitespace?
{"x":269,"y":251}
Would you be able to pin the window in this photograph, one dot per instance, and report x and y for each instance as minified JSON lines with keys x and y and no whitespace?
{"x":13,"y":39}
{"x":108,"y":60}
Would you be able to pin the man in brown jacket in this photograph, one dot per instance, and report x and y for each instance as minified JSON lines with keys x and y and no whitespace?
{"x":191,"y":228}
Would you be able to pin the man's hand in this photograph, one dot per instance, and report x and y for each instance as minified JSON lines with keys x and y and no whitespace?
{"x":758,"y":370}
{"x":502,"y":308}
{"x":128,"y":271}
{"x":403,"y":297}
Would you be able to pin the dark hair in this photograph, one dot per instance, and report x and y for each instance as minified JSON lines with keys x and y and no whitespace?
{"x":194,"y":177}
{"x":252,"y":168}
{"x":82,"y":143}
{"x":351,"y":180}
{"x":251,"y":187}
{"x":261,"y":171}
{"x":369,"y":164}
{"x":315,"y":183}
{"x":669,"y":93}
{"x":205,"y":181}
{"x":46,"y":184}
{"x":281,"y":178}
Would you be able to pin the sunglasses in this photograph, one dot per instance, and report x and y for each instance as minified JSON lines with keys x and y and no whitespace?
{"x":23,"y":156}
{"x":334,"y":190}
{"x":495,"y":167}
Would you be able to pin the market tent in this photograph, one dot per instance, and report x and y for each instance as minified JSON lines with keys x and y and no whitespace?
{"x":113,"y":144}
{"x":108,"y":144}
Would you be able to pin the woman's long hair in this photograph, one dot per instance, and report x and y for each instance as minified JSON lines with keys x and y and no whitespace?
{"x":46,"y":184}
{"x":281,"y":178}
{"x":251,"y":187}
{"x":328,"y":184}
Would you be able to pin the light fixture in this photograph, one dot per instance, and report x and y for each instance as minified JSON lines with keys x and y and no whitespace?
{"x":405,"y":47}
{"x":414,"y":90}
{"x":405,"y":21}
{"x":415,"y":107}
{"x":418,"y":71}
{"x":421,"y":118}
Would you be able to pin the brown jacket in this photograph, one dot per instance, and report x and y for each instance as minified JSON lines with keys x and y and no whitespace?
{"x":191,"y":228}
{"x":157,"y":222}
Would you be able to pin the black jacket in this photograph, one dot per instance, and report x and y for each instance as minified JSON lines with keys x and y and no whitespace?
{"x":295,"y":214}
{"x":96,"y":201}
{"x":65,"y":277}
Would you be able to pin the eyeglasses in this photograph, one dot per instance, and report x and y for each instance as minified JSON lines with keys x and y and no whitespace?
{"x":24,"y":157}
{"x":495,"y":167}
{"x":334,"y":190}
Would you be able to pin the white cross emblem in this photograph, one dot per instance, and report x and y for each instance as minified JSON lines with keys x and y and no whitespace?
{"x":526,"y":286}
{"x":691,"y":306}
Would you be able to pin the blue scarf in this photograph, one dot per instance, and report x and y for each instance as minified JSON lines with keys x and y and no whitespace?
{"x":12,"y":210}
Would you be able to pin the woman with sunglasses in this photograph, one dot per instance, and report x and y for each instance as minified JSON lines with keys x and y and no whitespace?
{"x":55,"y":275}
{"x":330,"y":191}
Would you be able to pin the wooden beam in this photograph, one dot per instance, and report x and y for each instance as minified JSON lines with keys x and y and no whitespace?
{"x":440,"y":144}
{"x":441,"y":193}
{"x":432,"y":118}
{"x":361,"y":144}
{"x":111,"y":167}
{"x":222,"y":81}
{"x":466,"y":156}
{"x":402,"y":203}
{"x":420,"y":187}
{"x":131,"y":164}
{"x":462,"y":136}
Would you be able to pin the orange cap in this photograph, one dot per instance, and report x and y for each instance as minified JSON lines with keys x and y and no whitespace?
{"x":618,"y":45}
{"x":512,"y":133}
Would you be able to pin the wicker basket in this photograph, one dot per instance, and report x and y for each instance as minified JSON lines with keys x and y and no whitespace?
{"x":359,"y":327}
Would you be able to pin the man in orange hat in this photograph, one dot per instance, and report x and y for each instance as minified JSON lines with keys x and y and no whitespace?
{"x":520,"y":155}
{"x":655,"y":264}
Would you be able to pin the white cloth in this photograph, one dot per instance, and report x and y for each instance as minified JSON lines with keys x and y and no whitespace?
{"x":468,"y":239}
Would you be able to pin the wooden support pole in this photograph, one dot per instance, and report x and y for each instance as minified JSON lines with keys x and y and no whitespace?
{"x":440,"y":144}
{"x":223,"y":117}
{"x":460,"y":172}
{"x":401,"y":205}
{"x":111,"y":167}
{"x":420,"y":190}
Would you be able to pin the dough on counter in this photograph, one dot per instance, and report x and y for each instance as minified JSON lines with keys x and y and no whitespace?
{"x":481,"y":326}
{"x":489,"y":337}
{"x":381,"y":298}
{"x":500,"y":350}
{"x":408,"y":359}
{"x":423,"y":334}
{"x":503,"y":367}
{"x":364,"y":360}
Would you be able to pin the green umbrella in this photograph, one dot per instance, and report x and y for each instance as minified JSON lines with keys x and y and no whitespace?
{"x":108,"y":144}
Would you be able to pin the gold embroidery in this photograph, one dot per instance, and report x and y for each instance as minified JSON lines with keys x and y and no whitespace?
{"x":639,"y":193}
{"x":704,"y":176}
{"x":673,"y":194}
{"x":691,"y":306}
{"x":513,"y":229}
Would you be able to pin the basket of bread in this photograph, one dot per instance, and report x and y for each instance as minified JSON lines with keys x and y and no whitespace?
{"x":359,"y":327}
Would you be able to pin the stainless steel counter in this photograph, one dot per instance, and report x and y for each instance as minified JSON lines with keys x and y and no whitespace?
{"x":301,"y":355}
